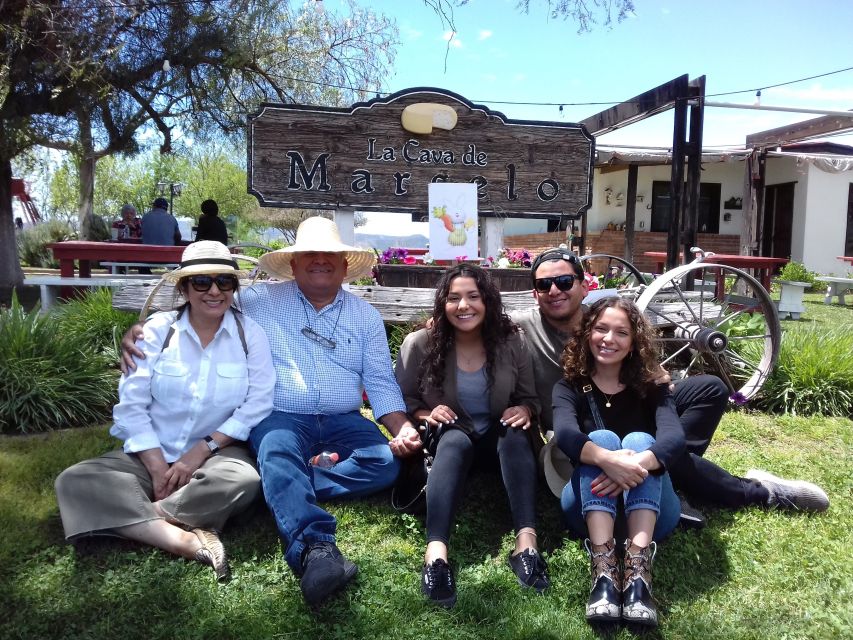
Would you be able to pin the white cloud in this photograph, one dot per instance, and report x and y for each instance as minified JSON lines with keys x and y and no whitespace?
{"x":485,"y":34}
{"x":451,"y":38}
{"x":410,"y":33}
{"x":814,"y":93}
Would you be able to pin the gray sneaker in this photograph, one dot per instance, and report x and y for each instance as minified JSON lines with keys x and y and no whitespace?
{"x":791,"y":494}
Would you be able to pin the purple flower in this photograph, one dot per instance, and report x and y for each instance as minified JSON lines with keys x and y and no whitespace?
{"x":738,"y":398}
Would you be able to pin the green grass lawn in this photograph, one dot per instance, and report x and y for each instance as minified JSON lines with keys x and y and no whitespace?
{"x":749,"y":574}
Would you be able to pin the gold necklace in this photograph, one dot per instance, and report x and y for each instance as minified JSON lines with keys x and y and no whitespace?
{"x":607,"y":397}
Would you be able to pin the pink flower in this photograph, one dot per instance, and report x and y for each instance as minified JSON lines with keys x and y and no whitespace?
{"x":410,"y":260}
{"x":591,"y":281}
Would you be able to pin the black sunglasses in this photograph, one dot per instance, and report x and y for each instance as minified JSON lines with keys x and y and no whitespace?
{"x":564,"y":283}
{"x":203,"y":283}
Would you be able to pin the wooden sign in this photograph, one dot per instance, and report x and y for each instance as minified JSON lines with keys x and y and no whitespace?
{"x":381,"y":155}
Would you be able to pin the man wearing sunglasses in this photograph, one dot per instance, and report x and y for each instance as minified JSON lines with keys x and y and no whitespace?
{"x":560,"y":288}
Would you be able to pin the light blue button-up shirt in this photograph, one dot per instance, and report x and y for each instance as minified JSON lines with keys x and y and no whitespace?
{"x":312,"y":378}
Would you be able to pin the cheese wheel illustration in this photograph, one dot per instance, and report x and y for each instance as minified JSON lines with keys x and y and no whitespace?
{"x":423,"y":116}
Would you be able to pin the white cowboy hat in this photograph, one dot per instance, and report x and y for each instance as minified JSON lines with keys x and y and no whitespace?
{"x":556,"y":464}
{"x":321,"y":235}
{"x":205,"y":257}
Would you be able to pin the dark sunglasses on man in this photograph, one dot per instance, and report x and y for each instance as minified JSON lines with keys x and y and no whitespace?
{"x":203,"y":283}
{"x":563,"y":283}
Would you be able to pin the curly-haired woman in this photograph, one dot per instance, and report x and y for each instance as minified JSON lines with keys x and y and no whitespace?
{"x":610,"y":368}
{"x":471,"y":374}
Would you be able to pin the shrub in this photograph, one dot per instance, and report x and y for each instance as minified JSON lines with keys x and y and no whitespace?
{"x":93,"y":324}
{"x":797,"y":272}
{"x":814,"y":374}
{"x":32,"y":243}
{"x":47,"y":381}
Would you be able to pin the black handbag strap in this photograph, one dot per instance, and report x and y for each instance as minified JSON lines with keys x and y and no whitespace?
{"x":593,"y":407}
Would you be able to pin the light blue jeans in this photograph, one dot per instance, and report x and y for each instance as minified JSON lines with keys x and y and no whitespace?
{"x":654,"y":493}
{"x":285,"y":442}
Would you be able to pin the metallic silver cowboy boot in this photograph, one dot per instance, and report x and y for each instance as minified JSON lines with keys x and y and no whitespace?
{"x":638,"y":606}
{"x":605,"y":596}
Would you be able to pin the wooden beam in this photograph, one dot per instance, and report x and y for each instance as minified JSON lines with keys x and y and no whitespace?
{"x":637,"y":108}
{"x":799,"y":131}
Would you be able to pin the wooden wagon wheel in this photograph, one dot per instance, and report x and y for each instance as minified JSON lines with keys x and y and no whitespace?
{"x":715,"y":319}
{"x":627,"y":276}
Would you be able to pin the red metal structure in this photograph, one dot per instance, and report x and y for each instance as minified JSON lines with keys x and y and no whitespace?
{"x":19,"y":190}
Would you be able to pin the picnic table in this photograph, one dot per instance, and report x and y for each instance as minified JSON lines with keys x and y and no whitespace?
{"x":85,"y":252}
{"x":846,"y":259}
{"x":762,"y":267}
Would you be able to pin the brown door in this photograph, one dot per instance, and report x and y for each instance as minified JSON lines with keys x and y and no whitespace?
{"x":778,"y":220}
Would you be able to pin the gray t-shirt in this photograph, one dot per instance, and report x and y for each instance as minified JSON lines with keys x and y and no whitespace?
{"x":546,"y":344}
{"x":473,"y":391}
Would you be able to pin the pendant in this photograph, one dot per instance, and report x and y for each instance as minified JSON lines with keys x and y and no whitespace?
{"x":607,"y":404}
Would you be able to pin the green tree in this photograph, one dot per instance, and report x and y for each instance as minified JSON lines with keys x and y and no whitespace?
{"x":88,"y":77}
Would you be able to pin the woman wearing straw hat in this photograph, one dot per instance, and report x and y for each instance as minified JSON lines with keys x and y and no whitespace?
{"x":184,"y":414}
{"x":329,"y":346}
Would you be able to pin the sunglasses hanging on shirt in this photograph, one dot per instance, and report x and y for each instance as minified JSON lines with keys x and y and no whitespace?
{"x":563,"y":283}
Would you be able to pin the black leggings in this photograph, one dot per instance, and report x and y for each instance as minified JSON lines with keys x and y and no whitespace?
{"x":453,"y":460}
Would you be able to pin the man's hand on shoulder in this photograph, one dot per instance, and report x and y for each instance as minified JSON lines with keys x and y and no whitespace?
{"x":129,"y":350}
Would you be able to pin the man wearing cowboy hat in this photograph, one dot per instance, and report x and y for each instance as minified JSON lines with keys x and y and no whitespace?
{"x":328,"y":346}
{"x":700,"y":401}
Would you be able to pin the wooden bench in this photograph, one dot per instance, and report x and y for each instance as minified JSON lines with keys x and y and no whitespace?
{"x":397,"y":305}
{"x":115,"y":266}
{"x":51,"y":286}
{"x":835,"y":287}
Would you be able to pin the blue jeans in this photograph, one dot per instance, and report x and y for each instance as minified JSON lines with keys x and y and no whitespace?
{"x":654,"y":493}
{"x":284,"y":444}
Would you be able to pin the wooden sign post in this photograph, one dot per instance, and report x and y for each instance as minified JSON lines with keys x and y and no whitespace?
{"x":381,"y":155}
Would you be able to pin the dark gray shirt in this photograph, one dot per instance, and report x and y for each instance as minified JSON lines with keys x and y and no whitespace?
{"x":546,"y":344}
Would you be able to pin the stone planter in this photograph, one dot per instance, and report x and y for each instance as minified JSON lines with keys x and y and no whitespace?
{"x":425,"y":276}
{"x":791,"y":300}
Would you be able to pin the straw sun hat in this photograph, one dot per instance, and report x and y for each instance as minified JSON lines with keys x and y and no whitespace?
{"x":321,"y":235}
{"x":205,"y":257}
{"x":557,"y":466}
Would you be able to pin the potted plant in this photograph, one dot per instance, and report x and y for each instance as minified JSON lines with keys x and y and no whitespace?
{"x":793,"y":281}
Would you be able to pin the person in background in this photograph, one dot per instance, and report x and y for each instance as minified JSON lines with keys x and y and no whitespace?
{"x":19,"y":224}
{"x":184,"y":414}
{"x":470,"y":375}
{"x":159,"y":226}
{"x":700,"y":401}
{"x":129,"y":226}
{"x":620,"y":429}
{"x":210,"y":225}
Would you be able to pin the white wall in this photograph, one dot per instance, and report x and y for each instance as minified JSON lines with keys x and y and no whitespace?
{"x":729,"y":174}
{"x":825,"y":221}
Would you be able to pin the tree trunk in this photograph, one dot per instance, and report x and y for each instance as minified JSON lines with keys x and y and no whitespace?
{"x":11,"y":274}
{"x":86,"y":170}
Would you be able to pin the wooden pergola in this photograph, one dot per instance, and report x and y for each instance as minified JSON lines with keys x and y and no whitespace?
{"x":687,"y":98}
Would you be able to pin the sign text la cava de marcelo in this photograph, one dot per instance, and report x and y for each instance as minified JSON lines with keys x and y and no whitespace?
{"x":363,"y":158}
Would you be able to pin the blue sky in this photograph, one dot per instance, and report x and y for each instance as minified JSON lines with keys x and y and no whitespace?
{"x":500,"y":54}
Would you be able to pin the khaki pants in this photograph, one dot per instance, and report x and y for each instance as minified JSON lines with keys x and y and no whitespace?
{"x":115,"y":490}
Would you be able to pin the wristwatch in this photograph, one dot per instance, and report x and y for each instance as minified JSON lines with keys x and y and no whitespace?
{"x":212,"y":445}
